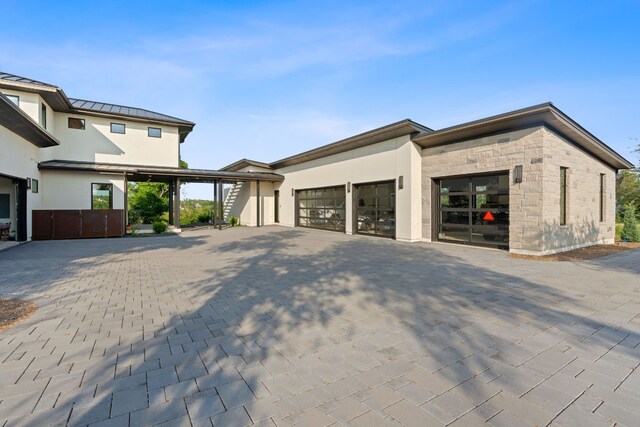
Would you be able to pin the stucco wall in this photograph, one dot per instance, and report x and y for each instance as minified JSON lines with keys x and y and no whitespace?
{"x":384,"y":161}
{"x":23,"y":164}
{"x":583,"y":225}
{"x":72,"y":190}
{"x":96,"y":143}
{"x":245,"y":205}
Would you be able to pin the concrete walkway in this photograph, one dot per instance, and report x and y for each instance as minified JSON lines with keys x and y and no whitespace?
{"x":278,"y":326}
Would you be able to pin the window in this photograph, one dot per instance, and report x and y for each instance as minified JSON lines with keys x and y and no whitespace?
{"x":118,"y":128}
{"x":76,"y":123}
{"x":14,"y":98}
{"x":43,"y":115}
{"x":563,"y":196}
{"x":101,"y":196}
{"x":34,"y":185}
{"x":155,"y":132}
{"x":602,"y":182}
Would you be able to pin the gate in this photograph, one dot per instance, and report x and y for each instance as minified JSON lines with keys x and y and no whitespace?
{"x":77,"y":224}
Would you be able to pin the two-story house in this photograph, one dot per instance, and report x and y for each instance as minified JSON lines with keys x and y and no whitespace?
{"x":65,"y":162}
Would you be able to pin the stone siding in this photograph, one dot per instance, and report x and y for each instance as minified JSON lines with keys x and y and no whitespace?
{"x":534,"y":204}
{"x":583,"y":227}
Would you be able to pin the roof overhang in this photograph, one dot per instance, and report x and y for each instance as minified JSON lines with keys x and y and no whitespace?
{"x":158,"y":173}
{"x":538,"y":115}
{"x":14,"y":119}
{"x":245,"y":163}
{"x":394,"y":130}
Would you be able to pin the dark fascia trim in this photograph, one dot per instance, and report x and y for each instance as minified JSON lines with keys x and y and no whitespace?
{"x":235,"y":166}
{"x":576,"y":127}
{"x":18,"y":122}
{"x":537,"y":115}
{"x":158,"y":171}
{"x":394,"y":130}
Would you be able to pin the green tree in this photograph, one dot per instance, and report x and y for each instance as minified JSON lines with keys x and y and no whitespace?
{"x":630,"y":229}
{"x":149,"y":201}
{"x":628,"y":188}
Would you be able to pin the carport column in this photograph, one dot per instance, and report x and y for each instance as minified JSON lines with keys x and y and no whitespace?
{"x":171,"y":190}
{"x":220,"y":207}
{"x":258,"y":203}
{"x":215,"y":199}
{"x":176,"y":206}
{"x":126,"y":205}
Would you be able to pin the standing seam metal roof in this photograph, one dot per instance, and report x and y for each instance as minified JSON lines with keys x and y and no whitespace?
{"x":103,"y":107}
{"x":19,"y":79}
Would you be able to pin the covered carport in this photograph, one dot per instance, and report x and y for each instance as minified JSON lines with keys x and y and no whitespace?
{"x":172,"y":176}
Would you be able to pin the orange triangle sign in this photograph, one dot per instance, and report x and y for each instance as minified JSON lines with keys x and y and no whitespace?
{"x":488,"y":216}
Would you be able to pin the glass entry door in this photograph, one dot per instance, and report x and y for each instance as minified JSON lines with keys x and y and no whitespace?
{"x":376,"y":209}
{"x":474,"y":210}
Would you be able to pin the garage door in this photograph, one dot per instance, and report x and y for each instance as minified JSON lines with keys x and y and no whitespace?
{"x":322,"y":208}
{"x":376,"y":209}
{"x":474,"y":210}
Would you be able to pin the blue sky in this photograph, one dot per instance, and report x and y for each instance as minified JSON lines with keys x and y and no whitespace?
{"x":266,"y":80}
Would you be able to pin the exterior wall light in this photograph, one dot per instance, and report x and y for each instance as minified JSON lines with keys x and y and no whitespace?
{"x":348,"y":187}
{"x":517,"y":174}
{"x":401,"y":182}
{"x":292,"y":192}
{"x":28,"y":183}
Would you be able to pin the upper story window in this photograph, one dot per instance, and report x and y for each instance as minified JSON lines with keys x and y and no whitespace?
{"x":43,"y":116}
{"x":75,"y":123}
{"x":155,"y":132}
{"x":14,"y":98}
{"x":118,"y":128}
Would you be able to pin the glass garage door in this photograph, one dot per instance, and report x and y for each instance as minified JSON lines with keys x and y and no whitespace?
{"x":322,"y":208}
{"x":376,"y":209}
{"x":474,"y":210}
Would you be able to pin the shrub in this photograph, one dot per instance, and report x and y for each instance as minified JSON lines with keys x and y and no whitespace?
{"x":204,"y":217}
{"x":234,"y":220}
{"x":159,"y":227}
{"x":630,"y":228}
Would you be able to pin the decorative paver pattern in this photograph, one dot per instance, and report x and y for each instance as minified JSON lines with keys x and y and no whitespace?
{"x":278,"y":326}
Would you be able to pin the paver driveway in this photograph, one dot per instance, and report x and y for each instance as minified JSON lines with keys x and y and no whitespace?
{"x":289,"y":326}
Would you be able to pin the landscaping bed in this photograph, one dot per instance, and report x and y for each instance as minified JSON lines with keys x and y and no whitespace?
{"x":582,"y":254}
{"x":14,"y":311}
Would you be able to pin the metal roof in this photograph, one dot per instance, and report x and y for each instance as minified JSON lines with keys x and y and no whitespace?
{"x":58,"y":100}
{"x":159,"y":173}
{"x":244,"y":163}
{"x":24,"y":80}
{"x":121,"y":110}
